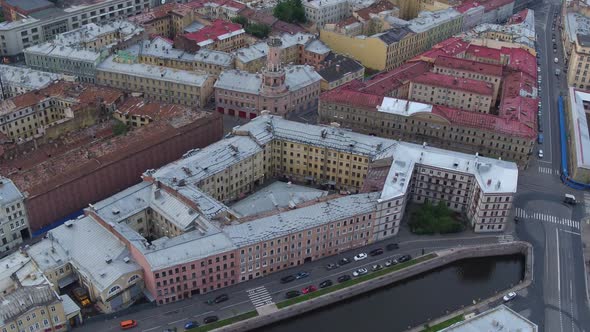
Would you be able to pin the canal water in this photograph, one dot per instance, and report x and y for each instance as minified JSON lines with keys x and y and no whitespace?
{"x":413,"y":301}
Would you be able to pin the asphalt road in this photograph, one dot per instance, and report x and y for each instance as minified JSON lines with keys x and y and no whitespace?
{"x":242,"y":298}
{"x":556,"y":300}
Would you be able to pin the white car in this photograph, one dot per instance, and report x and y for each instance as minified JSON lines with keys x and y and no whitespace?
{"x":539,"y":69}
{"x":509,"y":296}
{"x":360,"y":256}
{"x":540,"y":153}
{"x":556,"y":60}
{"x":360,"y":272}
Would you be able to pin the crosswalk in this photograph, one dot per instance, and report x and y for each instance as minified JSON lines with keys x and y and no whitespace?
{"x":505,"y":238}
{"x":521,"y":213}
{"x":259,"y":296}
{"x":548,"y":170}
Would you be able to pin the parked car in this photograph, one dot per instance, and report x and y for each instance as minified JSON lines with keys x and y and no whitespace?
{"x":292,"y":294}
{"x":392,"y":246}
{"x":509,"y":296}
{"x":390,"y":262}
{"x":556,"y":60}
{"x":210,"y":319}
{"x":309,"y":289}
{"x":343,"y":278}
{"x":360,"y":256}
{"x":360,"y":272}
{"x":332,"y":266}
{"x":344,"y":261}
{"x":404,"y":258}
{"x":377,"y":267}
{"x":326,"y":283}
{"x":540,"y":154}
{"x":190,"y":325}
{"x":301,"y":275}
{"x":376,"y":252}
{"x":287,"y":279}
{"x":221,"y":298}
{"x":540,"y":138}
{"x":170,"y":329}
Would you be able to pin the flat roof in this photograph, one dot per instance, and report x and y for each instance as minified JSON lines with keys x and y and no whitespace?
{"x":455,"y":83}
{"x":27,"y":78}
{"x":498,"y":319}
{"x":427,"y":20}
{"x":296,"y":77}
{"x":403,"y":107}
{"x":276,"y":195}
{"x":9,"y":193}
{"x":158,"y":73}
{"x":580,"y":104}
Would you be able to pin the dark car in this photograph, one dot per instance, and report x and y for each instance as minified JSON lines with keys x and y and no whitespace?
{"x":302,"y":275}
{"x":392,"y":246}
{"x":331,"y":266}
{"x":344,"y":261}
{"x":190,"y":325}
{"x":221,"y":298}
{"x":344,"y":278}
{"x":376,"y":252}
{"x":404,"y":258}
{"x":210,"y":319}
{"x":326,"y":283}
{"x":287,"y":279}
{"x":171,"y":329}
{"x":292,"y":294}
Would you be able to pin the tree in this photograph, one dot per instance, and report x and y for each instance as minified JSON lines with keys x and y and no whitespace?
{"x":258,"y":30}
{"x":291,"y":11}
{"x":240,"y":20}
{"x":431,"y":219}
{"x":120,"y":128}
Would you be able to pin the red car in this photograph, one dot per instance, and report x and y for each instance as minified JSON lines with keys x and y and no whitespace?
{"x":309,"y":289}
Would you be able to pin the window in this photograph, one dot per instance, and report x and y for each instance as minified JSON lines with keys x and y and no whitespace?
{"x":133,"y":278}
{"x":114,"y":289}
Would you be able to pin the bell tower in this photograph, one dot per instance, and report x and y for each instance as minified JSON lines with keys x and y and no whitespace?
{"x":273,"y":76}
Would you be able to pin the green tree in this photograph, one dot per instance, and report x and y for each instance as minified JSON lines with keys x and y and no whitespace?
{"x":258,"y":30}
{"x":431,"y":219}
{"x":291,"y":11}
{"x":240,"y":20}
{"x":120,"y":128}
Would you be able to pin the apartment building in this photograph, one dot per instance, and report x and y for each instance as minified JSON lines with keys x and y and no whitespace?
{"x":219,"y":36}
{"x":33,"y":308}
{"x":412,"y":103}
{"x":80,"y":51}
{"x":60,"y":108}
{"x":42,"y":26}
{"x":400,"y":41}
{"x":327,"y":11}
{"x":339,"y":70}
{"x":298,"y":48}
{"x":14,"y":223}
{"x":277,"y":89}
{"x":450,"y":91}
{"x":579,"y":63}
{"x":18,"y":80}
{"x":161,"y":52}
{"x":168,"y":85}
{"x":166,"y":20}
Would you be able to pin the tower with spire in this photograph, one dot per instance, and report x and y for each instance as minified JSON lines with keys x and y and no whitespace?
{"x":273,"y":75}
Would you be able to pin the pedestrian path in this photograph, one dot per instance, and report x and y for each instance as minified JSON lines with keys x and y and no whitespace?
{"x":521,"y":213}
{"x":548,"y":170}
{"x":505,"y":238}
{"x":259,"y":296}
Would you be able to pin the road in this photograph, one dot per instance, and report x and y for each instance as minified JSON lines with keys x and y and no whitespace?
{"x":247,"y":296}
{"x":556,"y":300}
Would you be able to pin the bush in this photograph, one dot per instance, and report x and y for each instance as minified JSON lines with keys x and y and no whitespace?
{"x":290,"y":11}
{"x":431,"y":219}
{"x":120,"y":128}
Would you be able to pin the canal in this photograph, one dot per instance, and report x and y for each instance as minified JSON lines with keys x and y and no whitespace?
{"x":413,"y":301}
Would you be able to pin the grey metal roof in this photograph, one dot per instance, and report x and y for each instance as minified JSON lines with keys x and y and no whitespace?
{"x":29,"y":5}
{"x":301,"y":218}
{"x":23,"y":299}
{"x":339,"y":67}
{"x":9,"y":193}
{"x":393,"y":35}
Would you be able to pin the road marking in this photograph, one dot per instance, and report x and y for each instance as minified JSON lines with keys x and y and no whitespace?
{"x":178,"y":321}
{"x":565,"y":230}
{"x":558,"y":281}
{"x":153,"y":328}
{"x":259,"y":296}
{"x":203,"y":314}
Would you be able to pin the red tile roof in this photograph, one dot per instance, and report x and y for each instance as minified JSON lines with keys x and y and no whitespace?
{"x":455,"y":83}
{"x":213,"y":31}
{"x":284,"y":27}
{"x":384,"y":83}
{"x":451,"y":47}
{"x":347,"y":95}
{"x":487,"y":4}
{"x":520,"y":60}
{"x":160,"y":12}
{"x":483,"y":52}
{"x":468,"y":65}
{"x":152,"y":110}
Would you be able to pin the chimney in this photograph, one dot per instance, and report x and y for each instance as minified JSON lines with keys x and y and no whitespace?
{"x":337,"y":68}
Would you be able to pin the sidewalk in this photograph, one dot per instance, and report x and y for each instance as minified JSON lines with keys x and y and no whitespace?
{"x":585,"y":234}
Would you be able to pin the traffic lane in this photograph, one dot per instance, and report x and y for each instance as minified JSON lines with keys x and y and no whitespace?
{"x":573,"y":284}
{"x":238,"y":302}
{"x":552,"y":281}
